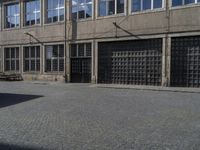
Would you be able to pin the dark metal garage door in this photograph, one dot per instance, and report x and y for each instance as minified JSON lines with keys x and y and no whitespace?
{"x":130,"y":62}
{"x":185,"y":63}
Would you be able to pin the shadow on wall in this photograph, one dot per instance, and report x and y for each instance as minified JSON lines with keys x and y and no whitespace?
{"x":4,"y":146}
{"x":7,"y":99}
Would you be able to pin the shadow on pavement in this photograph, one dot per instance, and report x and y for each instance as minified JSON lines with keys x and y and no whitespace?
{"x":4,"y":146}
{"x":7,"y":99}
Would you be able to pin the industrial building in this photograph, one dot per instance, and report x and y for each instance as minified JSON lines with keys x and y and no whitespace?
{"x":138,"y":42}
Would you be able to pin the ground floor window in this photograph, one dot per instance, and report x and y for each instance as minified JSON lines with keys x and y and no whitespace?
{"x":12,"y":59}
{"x":32,"y":59}
{"x":81,"y":50}
{"x":54,"y":58}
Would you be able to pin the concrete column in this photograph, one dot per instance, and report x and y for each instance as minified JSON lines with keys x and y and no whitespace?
{"x":93,"y":79}
{"x":166,"y":61}
{"x":21,"y":59}
{"x":1,"y":59}
{"x":68,"y":68}
{"x":95,"y":62}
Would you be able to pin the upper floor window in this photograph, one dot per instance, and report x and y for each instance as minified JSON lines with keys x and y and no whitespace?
{"x":81,"y":9}
{"x":55,"y":11}
{"x":184,"y":2}
{"x":142,"y":5}
{"x":111,"y":7}
{"x":12,"y":15}
{"x":32,"y":12}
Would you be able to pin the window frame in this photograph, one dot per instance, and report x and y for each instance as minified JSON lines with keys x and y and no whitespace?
{"x":85,"y":18}
{"x":24,"y":14}
{"x":77,"y":50}
{"x":15,"y":59}
{"x":53,"y":58}
{"x":113,"y":15}
{"x":152,"y":9}
{"x":46,"y":10}
{"x":183,"y":4}
{"x":32,"y":58}
{"x":5,"y":7}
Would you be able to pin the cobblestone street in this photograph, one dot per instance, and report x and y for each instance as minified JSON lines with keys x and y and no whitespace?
{"x":58,"y":116}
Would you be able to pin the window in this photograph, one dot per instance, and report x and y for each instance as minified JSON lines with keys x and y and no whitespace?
{"x":81,"y":9}
{"x":141,"y":5}
{"x":12,"y":15}
{"x":111,"y":7}
{"x":32,"y":12}
{"x":12,"y":59}
{"x":32,"y":59}
{"x":184,"y":2}
{"x":81,"y":50}
{"x":55,"y":11}
{"x":54,"y":58}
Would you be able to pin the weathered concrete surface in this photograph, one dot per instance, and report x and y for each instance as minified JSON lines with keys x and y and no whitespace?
{"x":84,"y":117}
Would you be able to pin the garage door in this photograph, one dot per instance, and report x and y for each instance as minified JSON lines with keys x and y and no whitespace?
{"x":130,"y":62}
{"x":185,"y":63}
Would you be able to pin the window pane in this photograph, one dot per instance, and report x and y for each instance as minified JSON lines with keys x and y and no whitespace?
{"x":157,"y":4}
{"x":61,"y":65}
{"x":146,"y":4}
{"x":189,"y":1}
{"x":81,"y":11}
{"x":73,"y":50}
{"x":88,"y":49}
{"x":120,"y":6}
{"x":26,"y":65}
{"x":136,"y":5}
{"x":81,"y":50}
{"x":88,"y":11}
{"x":61,"y":50}
{"x":176,"y":2}
{"x":12,"y":16}
{"x":102,"y":8}
{"x":111,"y":7}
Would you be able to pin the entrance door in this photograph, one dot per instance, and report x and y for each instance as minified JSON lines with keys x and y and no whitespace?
{"x":81,"y":63}
{"x":81,"y":70}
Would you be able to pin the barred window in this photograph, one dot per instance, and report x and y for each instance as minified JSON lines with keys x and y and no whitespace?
{"x":32,"y":12}
{"x":55,"y":10}
{"x":81,"y":9}
{"x":12,"y":15}
{"x":110,"y":7}
{"x":32,"y":59}
{"x":12,"y":59}
{"x":54,"y":58}
{"x":81,"y":50}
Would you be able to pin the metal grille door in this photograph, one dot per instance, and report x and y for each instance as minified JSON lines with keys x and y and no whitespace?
{"x":185,"y":63}
{"x":81,"y":63}
{"x":131,"y":62}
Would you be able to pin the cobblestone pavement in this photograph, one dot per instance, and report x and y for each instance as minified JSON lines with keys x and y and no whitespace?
{"x":56,"y":116}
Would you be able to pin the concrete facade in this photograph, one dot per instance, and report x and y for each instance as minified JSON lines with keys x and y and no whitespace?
{"x":161,"y":23}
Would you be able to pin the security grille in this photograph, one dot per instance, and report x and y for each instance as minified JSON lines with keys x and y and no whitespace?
{"x":130,"y":62}
{"x":32,"y":59}
{"x":81,"y":62}
{"x":185,"y":63}
{"x":12,"y":59}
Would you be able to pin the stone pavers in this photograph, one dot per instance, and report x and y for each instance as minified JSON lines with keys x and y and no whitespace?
{"x":84,"y":117}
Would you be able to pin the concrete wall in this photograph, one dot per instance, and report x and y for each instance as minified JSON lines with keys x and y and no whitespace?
{"x":163,"y":23}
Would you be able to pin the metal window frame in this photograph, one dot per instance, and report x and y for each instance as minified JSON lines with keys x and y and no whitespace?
{"x":46,"y":11}
{"x":25,"y":14}
{"x":58,"y":58}
{"x":32,"y":58}
{"x":15,"y":59}
{"x":77,"y":16}
{"x":5,"y":7}
{"x":115,"y":14}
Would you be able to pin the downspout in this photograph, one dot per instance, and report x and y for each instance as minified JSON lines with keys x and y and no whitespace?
{"x":65,"y":39}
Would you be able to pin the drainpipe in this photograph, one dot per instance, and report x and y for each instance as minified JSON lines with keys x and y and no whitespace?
{"x":65,"y":38}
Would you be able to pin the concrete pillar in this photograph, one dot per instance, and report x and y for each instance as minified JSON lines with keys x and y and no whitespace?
{"x":20,"y":59}
{"x":93,"y":79}
{"x":166,"y":61}
{"x":95,"y":62}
